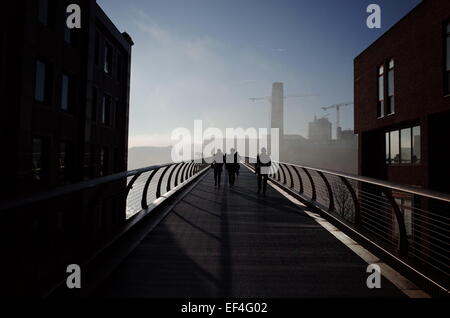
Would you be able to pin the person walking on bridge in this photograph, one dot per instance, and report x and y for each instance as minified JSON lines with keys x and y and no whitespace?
{"x":218,"y":166}
{"x":262,"y":170}
{"x":230,"y":165}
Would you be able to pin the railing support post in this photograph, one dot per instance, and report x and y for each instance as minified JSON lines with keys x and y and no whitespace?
{"x":356,"y":203}
{"x":299,"y":179}
{"x":144,"y":204}
{"x":158,"y":188}
{"x":329,"y":189}
{"x":313,"y":187}
{"x":403,"y":239}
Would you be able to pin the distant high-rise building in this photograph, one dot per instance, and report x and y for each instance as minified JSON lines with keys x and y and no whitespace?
{"x":277,"y":112}
{"x":319,"y":130}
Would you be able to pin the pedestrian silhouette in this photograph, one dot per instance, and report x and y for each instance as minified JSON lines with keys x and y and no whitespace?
{"x":262,"y":170}
{"x":217,"y":166}
{"x":237,"y":164}
{"x":230,"y":165}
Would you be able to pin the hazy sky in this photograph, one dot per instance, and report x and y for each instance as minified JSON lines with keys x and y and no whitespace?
{"x":203,"y":59}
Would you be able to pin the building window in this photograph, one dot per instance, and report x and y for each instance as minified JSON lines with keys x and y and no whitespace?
{"x":65,"y":92}
{"x":43,"y":12}
{"x":403,"y":146}
{"x":108,"y":59}
{"x":395,"y":147}
{"x":94,"y":103}
{"x":447,"y":66}
{"x":103,"y":161}
{"x":97,"y":48}
{"x":105,"y":114}
{"x":390,"y":85}
{"x":37,"y":148}
{"x":41,"y":82}
{"x":380,"y":106}
{"x":62,"y":161}
{"x":67,"y":34}
{"x":119,"y":69}
{"x":416,"y":144}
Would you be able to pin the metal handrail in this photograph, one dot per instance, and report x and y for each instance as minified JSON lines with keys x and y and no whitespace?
{"x":349,"y":199}
{"x":79,"y":186}
{"x":432,"y":194}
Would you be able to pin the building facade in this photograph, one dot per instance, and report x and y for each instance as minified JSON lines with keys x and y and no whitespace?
{"x":402,"y":100}
{"x":319,"y":130}
{"x":65,"y":96}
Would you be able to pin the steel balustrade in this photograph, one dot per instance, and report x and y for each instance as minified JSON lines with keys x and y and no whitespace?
{"x":73,"y":223}
{"x":410,"y":223}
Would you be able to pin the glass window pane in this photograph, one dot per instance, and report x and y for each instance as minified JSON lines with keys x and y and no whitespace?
{"x":39,"y":90}
{"x":387,"y":148}
{"x":36,"y":155}
{"x":448,"y":53}
{"x":395,"y":147}
{"x":381,"y":70}
{"x":405,"y":145}
{"x":391,"y":83}
{"x":67,"y":34}
{"x":381,"y":88}
{"x":65,"y":92}
{"x":43,"y":11}
{"x":416,"y":144}
{"x":391,"y":64}
{"x":62,"y":160}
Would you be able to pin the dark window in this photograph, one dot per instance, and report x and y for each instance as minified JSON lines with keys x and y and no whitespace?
{"x":105,"y":114}
{"x":416,"y":144}
{"x":40,"y":87}
{"x":119,"y":69}
{"x":97,"y":48}
{"x":395,"y":147}
{"x":403,"y":146}
{"x":390,"y":85}
{"x":380,"y":108}
{"x":94,"y":103}
{"x":43,"y":12}
{"x":388,"y":147}
{"x":103,"y":161}
{"x":62,"y":165}
{"x":108,"y":59}
{"x":65,"y":92}
{"x":67,"y":33}
{"x":37,"y":158}
{"x":447,"y":62}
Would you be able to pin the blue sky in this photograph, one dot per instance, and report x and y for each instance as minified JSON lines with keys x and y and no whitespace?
{"x":203,"y":59}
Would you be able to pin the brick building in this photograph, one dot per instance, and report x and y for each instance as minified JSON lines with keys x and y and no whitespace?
{"x":64,"y":96}
{"x":402,"y":100}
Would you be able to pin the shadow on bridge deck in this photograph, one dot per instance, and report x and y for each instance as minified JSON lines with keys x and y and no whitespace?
{"x":232,"y":242}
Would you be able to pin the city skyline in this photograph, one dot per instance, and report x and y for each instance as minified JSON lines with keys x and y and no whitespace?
{"x":198,"y":63}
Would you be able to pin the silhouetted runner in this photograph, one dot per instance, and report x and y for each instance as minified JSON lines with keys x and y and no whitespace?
{"x":262,"y":170}
{"x":218,"y":167}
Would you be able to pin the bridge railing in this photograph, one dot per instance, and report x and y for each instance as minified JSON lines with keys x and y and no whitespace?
{"x":44,"y":233}
{"x":411,"y":224}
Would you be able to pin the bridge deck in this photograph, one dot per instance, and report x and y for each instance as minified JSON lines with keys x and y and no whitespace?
{"x":232,"y":242}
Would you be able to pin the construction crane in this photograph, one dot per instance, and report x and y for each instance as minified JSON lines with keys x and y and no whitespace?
{"x":269,"y":98}
{"x":338,"y":118}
